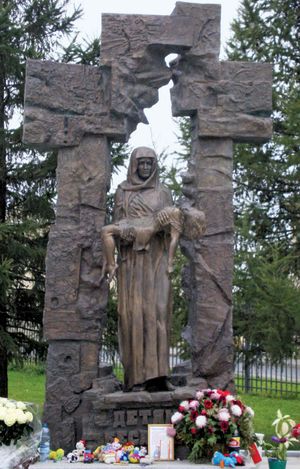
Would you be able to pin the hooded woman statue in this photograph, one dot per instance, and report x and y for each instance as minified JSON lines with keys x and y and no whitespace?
{"x":144,"y":289}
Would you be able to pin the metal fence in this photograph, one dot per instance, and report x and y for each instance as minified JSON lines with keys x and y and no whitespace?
{"x":259,"y":375}
{"x":256,"y":374}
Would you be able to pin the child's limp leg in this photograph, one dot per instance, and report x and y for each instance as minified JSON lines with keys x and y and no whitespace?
{"x":109,"y":246}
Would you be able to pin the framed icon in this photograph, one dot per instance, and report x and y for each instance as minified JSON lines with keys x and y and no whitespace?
{"x":160,"y":444}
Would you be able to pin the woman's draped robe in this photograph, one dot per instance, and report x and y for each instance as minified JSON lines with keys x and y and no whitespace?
{"x":144,"y":289}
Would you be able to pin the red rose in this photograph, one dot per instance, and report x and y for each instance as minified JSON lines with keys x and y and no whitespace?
{"x":194,"y":414}
{"x":203,"y":412}
{"x":193,"y":431}
{"x":208,"y":404}
{"x":224,"y":426}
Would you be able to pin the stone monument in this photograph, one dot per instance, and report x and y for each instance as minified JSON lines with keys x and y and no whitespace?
{"x":79,"y":110}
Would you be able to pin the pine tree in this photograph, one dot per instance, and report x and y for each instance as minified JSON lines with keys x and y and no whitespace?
{"x":28,"y":29}
{"x":267,"y":178}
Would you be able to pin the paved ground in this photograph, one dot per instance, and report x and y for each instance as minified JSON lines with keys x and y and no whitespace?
{"x":293,"y":463}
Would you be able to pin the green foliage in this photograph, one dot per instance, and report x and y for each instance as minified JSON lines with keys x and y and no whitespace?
{"x":266,"y":302}
{"x":203,"y":431}
{"x":29,"y":29}
{"x":266,"y":180}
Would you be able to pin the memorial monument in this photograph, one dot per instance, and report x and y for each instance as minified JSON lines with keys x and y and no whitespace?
{"x":79,"y":110}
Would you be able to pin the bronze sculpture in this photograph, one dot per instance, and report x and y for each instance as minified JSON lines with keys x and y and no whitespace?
{"x":147,"y":227}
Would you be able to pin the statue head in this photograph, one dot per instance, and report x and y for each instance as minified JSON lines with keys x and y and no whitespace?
{"x":142,"y":170}
{"x":194,"y":223}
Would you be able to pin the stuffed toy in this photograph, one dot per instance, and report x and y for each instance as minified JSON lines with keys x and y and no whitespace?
{"x":218,"y":458}
{"x":72,"y":457}
{"x":238,"y":457}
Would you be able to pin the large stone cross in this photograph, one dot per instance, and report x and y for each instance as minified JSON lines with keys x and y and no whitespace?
{"x":78,"y":110}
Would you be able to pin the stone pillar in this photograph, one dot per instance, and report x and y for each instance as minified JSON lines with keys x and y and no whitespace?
{"x":75,"y":300}
{"x":208,"y":185}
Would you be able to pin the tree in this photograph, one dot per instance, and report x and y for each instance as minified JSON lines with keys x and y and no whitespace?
{"x":29,"y":29}
{"x":266,"y":179}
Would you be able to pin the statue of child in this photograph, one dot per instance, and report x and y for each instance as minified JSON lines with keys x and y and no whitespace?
{"x":187,"y":221}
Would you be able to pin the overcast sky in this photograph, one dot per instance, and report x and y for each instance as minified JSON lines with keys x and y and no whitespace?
{"x":161,"y":133}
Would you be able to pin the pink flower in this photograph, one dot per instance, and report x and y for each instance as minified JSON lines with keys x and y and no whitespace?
{"x":215,"y":396}
{"x":199,"y":395}
{"x":223,"y":415}
{"x":177,"y":417}
{"x":229,"y":398}
{"x":184,"y":406}
{"x":171,"y":431}
{"x":201,"y":421}
{"x":236,"y":410}
{"x":249,"y":411}
{"x":194,"y":405}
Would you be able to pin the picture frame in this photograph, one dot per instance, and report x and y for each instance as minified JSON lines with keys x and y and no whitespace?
{"x":160,"y":444}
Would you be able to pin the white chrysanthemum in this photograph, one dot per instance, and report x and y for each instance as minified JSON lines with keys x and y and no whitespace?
{"x":250,"y":411}
{"x":29,"y":416}
{"x":3,"y":400}
{"x":229,"y":398}
{"x":21,"y":416}
{"x":184,"y":405}
{"x":199,"y":395}
{"x":223,"y":415}
{"x":10,"y":417}
{"x":194,"y":405}
{"x":177,"y":417}
{"x":201,"y":421}
{"x":236,"y":410}
{"x":2,"y":412}
{"x":10,"y":405}
{"x":20,"y":405}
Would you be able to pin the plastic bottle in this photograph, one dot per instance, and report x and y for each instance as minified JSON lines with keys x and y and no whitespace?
{"x":234,"y":442}
{"x":44,"y":448}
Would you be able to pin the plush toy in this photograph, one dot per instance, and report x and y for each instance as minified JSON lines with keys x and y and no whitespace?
{"x":238,"y":457}
{"x":98,"y":452}
{"x":72,"y":457}
{"x":134,"y":456}
{"x":109,"y":457}
{"x":80,"y":447}
{"x":219,"y":458}
{"x":57,"y":455}
{"x":146,"y":461}
{"x":143,"y":451}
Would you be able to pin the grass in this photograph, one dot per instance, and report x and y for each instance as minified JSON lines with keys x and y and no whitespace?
{"x":269,"y":387}
{"x":28,"y":384}
{"x":265,"y":409}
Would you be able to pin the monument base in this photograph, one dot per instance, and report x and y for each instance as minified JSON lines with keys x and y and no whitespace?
{"x":126,"y":415}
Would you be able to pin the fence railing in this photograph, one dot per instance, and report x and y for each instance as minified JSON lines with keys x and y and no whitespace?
{"x":256,"y":374}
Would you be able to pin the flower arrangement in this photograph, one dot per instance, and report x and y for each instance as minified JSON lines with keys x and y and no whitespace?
{"x":207,"y":423}
{"x":286,"y":432}
{"x":15,"y":421}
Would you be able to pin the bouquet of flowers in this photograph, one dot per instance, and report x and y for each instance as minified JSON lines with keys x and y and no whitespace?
{"x":14,"y":421}
{"x":287,"y":432}
{"x":207,"y":423}
{"x":20,"y":431}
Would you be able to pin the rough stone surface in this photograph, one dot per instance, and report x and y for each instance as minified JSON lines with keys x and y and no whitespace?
{"x":127,"y":415}
{"x":77,"y":109}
